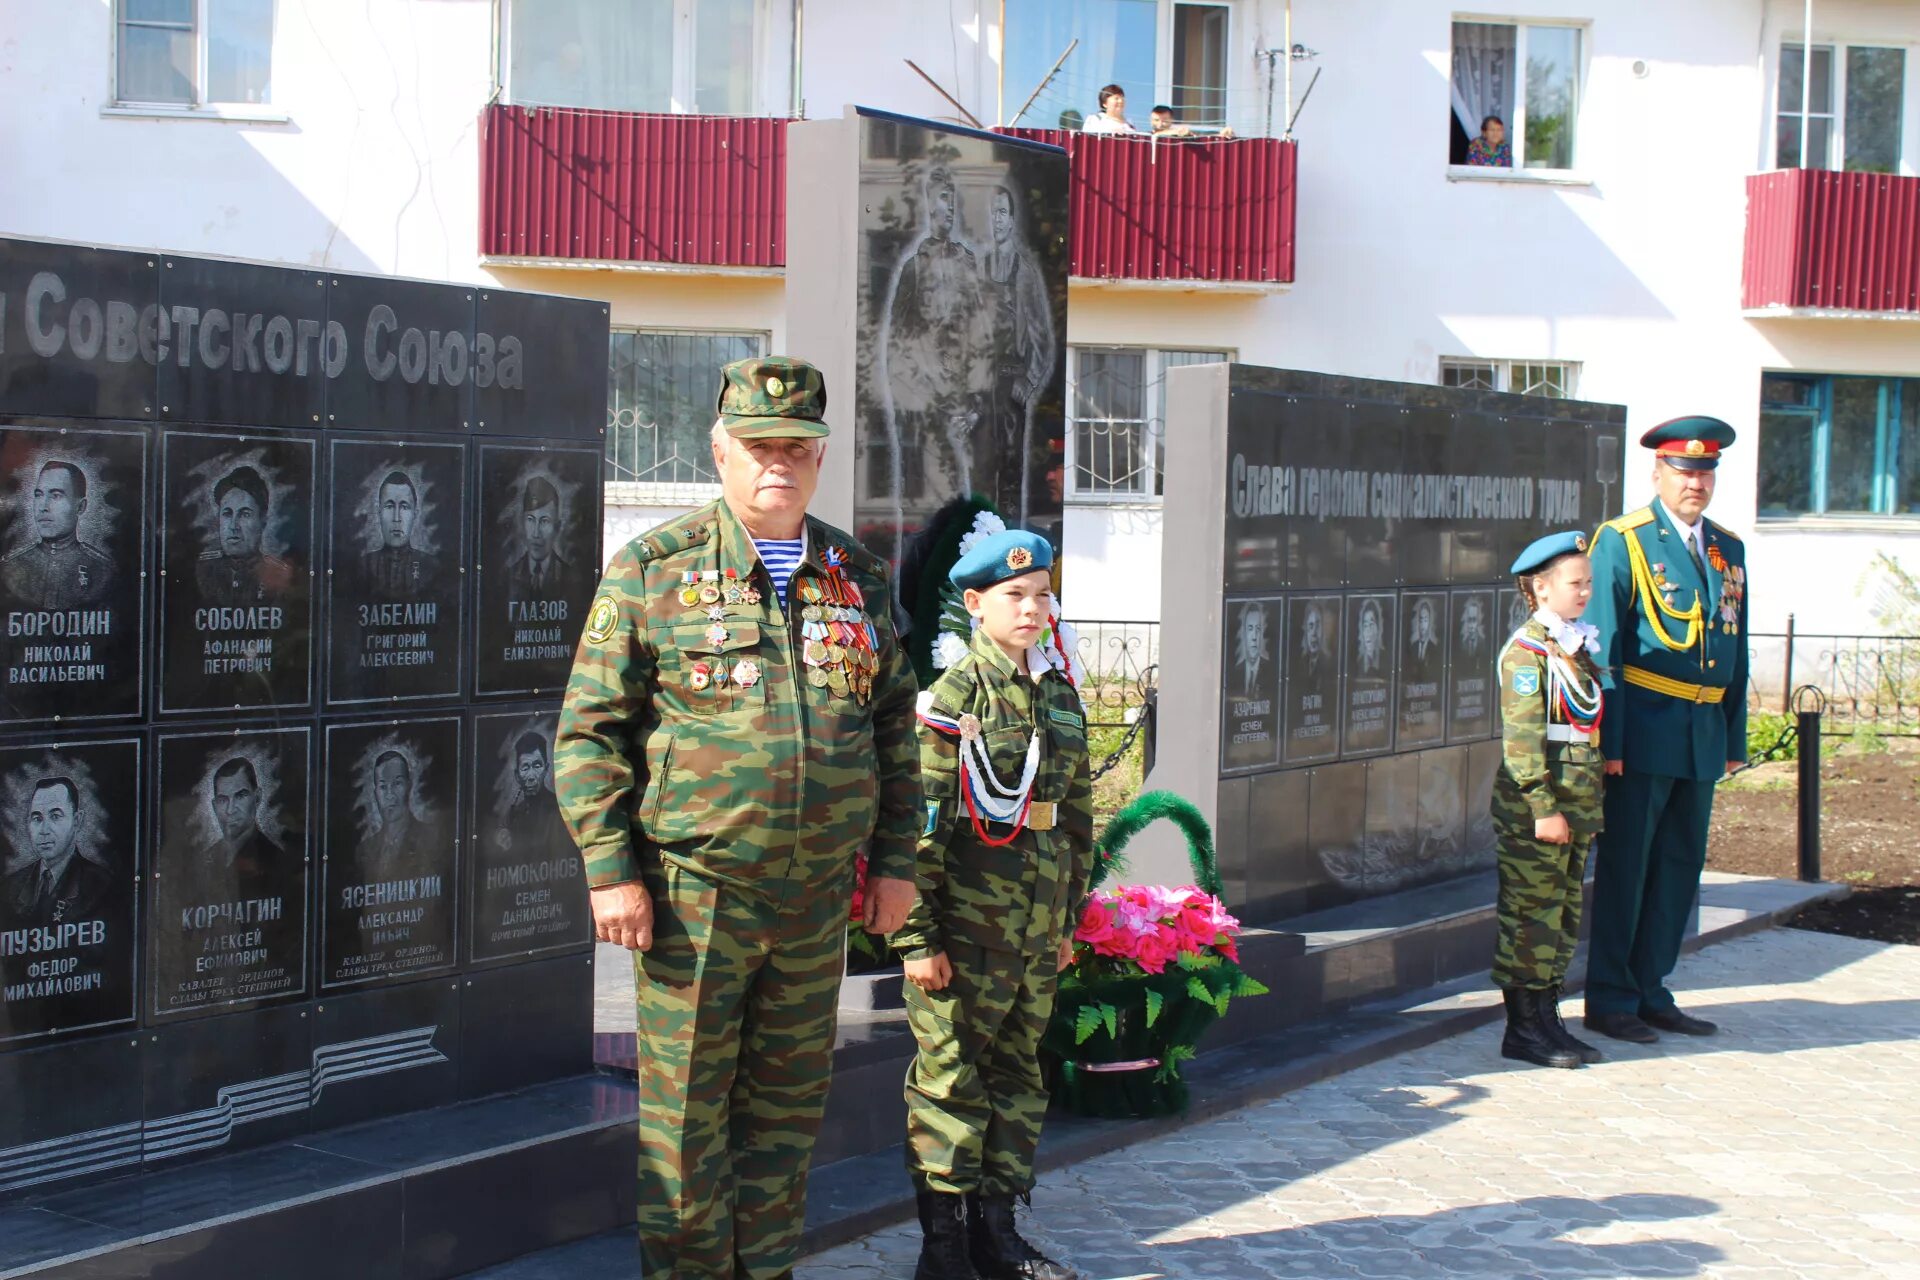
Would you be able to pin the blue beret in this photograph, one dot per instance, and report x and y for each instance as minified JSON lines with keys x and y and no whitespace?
{"x":1002,"y":556}
{"x":1541,"y":551}
{"x":1689,"y":444}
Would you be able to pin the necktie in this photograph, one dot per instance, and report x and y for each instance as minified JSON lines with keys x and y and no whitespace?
{"x":1699,"y":561}
{"x":46,"y":886}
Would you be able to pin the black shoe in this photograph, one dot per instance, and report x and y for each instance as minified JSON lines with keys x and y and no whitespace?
{"x":1621,"y":1026}
{"x":1677,"y":1022}
{"x":1527,"y":1040}
{"x":1551,"y":1004}
{"x":943,"y":1249}
{"x":999,"y":1251}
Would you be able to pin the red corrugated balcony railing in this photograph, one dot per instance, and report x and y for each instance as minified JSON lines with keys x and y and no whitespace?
{"x":608,"y":186}
{"x":1187,"y":210}
{"x":1830,"y":241}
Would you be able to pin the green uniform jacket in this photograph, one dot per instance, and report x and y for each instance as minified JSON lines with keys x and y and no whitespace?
{"x":1019,"y":897}
{"x":1655,"y":732}
{"x":771,"y":785}
{"x":1538,"y":778}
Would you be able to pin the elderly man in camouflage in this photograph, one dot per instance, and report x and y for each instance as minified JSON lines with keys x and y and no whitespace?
{"x":739,"y":723}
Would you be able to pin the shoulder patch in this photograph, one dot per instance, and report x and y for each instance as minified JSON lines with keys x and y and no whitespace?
{"x":1723,"y":531}
{"x":1526,"y":681}
{"x":1069,"y":718}
{"x":602,"y":619}
{"x":933,"y":818}
{"x":1631,"y":520}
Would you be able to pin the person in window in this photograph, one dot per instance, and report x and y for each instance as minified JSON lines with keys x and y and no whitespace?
{"x":1113,"y":113}
{"x":1164,"y":125}
{"x":1491,"y":150}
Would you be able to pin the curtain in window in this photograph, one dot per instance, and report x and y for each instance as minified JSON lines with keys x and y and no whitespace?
{"x":610,"y":55}
{"x":1117,"y":46}
{"x":1483,"y":73}
{"x":239,"y":50}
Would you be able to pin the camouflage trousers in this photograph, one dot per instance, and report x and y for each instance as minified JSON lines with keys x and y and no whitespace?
{"x":736,"y":1002}
{"x":1539,"y":908}
{"x":975,"y":1096}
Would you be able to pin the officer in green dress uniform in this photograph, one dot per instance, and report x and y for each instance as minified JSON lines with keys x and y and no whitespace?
{"x":1670,"y":602}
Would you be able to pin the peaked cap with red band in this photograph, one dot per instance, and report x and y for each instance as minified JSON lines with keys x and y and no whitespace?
{"x":1689,"y":444}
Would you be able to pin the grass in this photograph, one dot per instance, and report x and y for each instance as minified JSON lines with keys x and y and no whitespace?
{"x":1121,"y":783}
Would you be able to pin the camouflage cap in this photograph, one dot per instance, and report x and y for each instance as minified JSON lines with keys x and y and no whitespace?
{"x":771,"y":396}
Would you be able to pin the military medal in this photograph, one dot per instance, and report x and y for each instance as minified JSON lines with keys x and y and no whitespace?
{"x":702,"y":676}
{"x":746,"y":673}
{"x":716,"y":635}
{"x":987,"y":798}
{"x":716,"y":614}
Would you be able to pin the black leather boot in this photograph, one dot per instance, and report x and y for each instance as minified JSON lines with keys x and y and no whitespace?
{"x":999,"y":1251}
{"x":1550,"y":1004}
{"x":1526,"y":1039}
{"x":943,"y":1248}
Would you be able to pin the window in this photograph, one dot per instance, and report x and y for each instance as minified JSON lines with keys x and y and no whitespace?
{"x":1834,"y":445}
{"x":1864,"y":135}
{"x":193,"y":53}
{"x":660,"y":389}
{"x":1200,"y":33}
{"x":1528,"y":76}
{"x":634,"y":55}
{"x":1553,"y":378}
{"x":1121,"y":42}
{"x":1116,"y":426}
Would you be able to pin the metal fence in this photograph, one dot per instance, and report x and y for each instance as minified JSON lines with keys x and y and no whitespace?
{"x":1122,"y":661}
{"x":1867,"y":682}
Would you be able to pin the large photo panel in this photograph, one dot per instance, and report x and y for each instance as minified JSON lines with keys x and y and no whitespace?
{"x":389,"y":877}
{"x":73,"y":571}
{"x":1312,"y":685}
{"x":397,"y":567}
{"x":1373,"y":623}
{"x":236,"y":598}
{"x":228,"y":922}
{"x":529,"y":888}
{"x":1251,"y":660}
{"x":70,"y":866}
{"x":1420,"y":703}
{"x":1470,"y":670}
{"x":538,"y":561}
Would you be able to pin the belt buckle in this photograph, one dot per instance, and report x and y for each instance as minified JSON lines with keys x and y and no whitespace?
{"x":1042,"y":815}
{"x":1699,"y":694}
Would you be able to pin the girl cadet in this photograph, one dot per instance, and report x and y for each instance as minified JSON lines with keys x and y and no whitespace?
{"x":1546,"y":797}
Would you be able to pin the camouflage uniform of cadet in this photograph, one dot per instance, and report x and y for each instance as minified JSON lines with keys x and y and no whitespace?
{"x":975,"y":1096}
{"x":741,"y":805}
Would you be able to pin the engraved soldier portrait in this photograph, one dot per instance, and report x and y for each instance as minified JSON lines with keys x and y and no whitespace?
{"x":1313,"y":683}
{"x":529,"y":882}
{"x":1470,"y":691}
{"x":1250,"y":646}
{"x":1250,"y":685}
{"x":1421,"y":701}
{"x":539,"y":562}
{"x":237,"y":571}
{"x":57,"y":568}
{"x":397,"y":567}
{"x":1368,"y":696}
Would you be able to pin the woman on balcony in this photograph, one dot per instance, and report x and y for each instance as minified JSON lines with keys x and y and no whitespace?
{"x":1113,"y":113}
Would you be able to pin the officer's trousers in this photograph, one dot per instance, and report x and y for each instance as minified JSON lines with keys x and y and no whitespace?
{"x":1539,"y":909}
{"x":1646,"y":876}
{"x":736,"y":1003}
{"x":975,"y":1096}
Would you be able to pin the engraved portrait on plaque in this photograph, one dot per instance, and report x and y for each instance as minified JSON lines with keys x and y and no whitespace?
{"x":236,"y":617}
{"x":1470,"y":673}
{"x":1513,"y":609}
{"x":70,"y":843}
{"x":529,"y":886}
{"x":390,"y":864}
{"x":1250,"y":713}
{"x":72,"y":571}
{"x":395,"y":582}
{"x":1423,"y":667}
{"x":1313,"y":680}
{"x":538,"y":566}
{"x":1372,"y":623}
{"x":229,"y":913}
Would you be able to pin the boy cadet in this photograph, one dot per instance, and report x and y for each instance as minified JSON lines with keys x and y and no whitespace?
{"x":1004,"y":860}
{"x":738,"y":723}
{"x":1670,"y":603}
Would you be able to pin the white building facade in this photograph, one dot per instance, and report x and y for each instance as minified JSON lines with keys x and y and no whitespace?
{"x":1610,"y":261}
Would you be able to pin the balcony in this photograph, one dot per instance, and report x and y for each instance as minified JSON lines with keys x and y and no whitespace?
{"x":1180,"y":213}
{"x":703,"y":194}
{"x":1827,"y":243}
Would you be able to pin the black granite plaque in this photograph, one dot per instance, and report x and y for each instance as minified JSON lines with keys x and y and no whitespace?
{"x":415,"y":358}
{"x":252,"y":345}
{"x":1499,"y":512}
{"x":73,"y":571}
{"x":389,"y":879}
{"x":1470,"y":667}
{"x":1250,"y":717}
{"x":529,"y":889}
{"x":229,"y":917}
{"x":1372,"y":625}
{"x":1322,"y":487}
{"x":236,"y":601}
{"x":1421,"y":702}
{"x":70,"y":835}
{"x":1511,"y":609}
{"x":394,"y":588}
{"x":1312,"y":686}
{"x":539,"y":563}
{"x":1443,"y":815}
{"x":80,"y":330}
{"x":1425,"y":544}
{"x":549,"y":366}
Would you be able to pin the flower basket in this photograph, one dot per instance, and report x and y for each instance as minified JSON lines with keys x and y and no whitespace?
{"x":1153,"y":969}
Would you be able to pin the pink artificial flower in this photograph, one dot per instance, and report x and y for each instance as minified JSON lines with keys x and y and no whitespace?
{"x":1096,"y":924}
{"x":1156,"y":951}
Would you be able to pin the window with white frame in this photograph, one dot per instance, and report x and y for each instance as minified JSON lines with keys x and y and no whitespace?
{"x":660,"y":389}
{"x":1848,"y":110}
{"x":634,"y":55}
{"x":1552,"y":378}
{"x":1515,"y":95}
{"x":1176,"y":52}
{"x":193,"y":53}
{"x":1116,"y":419}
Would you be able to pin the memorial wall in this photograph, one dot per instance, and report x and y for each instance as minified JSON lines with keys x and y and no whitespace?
{"x":292,"y":564}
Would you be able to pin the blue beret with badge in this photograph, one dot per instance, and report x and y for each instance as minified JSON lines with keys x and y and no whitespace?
{"x":1692,"y":443}
{"x":1542,"y":552}
{"x":1004,"y":555}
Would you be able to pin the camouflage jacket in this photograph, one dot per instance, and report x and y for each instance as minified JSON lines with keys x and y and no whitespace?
{"x":1539,"y":778}
{"x":1020,"y":897}
{"x":772,"y":782}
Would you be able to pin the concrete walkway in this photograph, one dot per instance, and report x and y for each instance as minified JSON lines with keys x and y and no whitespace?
{"x":1788,"y":1146}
